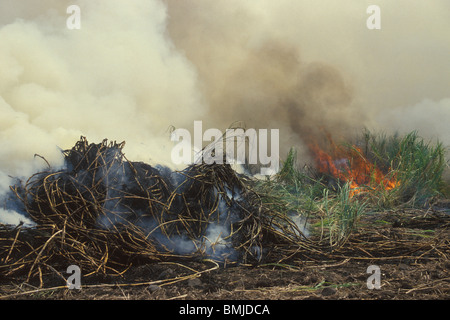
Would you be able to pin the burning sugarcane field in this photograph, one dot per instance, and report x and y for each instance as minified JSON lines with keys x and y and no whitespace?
{"x":203,"y":150}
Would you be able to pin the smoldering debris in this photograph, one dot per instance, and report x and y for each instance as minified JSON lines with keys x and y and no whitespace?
{"x":105,"y":213}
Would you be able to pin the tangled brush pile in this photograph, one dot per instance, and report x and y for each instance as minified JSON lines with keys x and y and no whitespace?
{"x":106,"y":213}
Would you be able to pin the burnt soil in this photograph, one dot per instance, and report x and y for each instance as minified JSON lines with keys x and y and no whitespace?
{"x":411,"y":248}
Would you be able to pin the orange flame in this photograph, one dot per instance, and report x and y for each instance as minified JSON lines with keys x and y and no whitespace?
{"x":351,"y":165}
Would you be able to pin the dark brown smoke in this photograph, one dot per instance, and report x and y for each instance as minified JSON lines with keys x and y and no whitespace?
{"x":248,"y":75}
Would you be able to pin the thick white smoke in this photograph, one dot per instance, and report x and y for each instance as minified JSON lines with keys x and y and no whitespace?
{"x":118,"y":77}
{"x":137,"y":67}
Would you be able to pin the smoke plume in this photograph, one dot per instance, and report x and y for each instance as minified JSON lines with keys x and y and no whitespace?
{"x":309,"y":66}
{"x":136,"y":68}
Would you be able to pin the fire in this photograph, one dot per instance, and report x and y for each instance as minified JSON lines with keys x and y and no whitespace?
{"x":350,"y":164}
